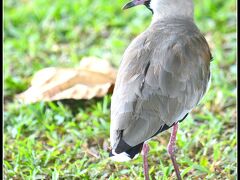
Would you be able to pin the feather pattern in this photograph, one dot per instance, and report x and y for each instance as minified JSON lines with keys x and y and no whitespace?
{"x":163,"y":75}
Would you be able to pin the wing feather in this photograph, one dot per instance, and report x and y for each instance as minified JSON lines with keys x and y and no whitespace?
{"x":163,"y":75}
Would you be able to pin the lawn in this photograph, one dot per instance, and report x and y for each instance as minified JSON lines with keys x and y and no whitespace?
{"x":70,"y":139}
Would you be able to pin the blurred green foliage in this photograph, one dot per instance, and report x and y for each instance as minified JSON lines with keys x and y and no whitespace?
{"x":69,"y":139}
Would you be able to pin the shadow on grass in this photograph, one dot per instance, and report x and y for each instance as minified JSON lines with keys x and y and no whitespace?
{"x":74,"y":104}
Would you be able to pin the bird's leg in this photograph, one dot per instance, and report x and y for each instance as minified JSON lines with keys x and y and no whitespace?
{"x":171,"y":149}
{"x":145,"y":150}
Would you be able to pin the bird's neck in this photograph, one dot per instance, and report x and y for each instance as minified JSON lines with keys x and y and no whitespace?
{"x":171,"y":9}
{"x":161,"y":17}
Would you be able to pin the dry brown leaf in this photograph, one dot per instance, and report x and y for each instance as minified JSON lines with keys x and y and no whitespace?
{"x":209,"y":38}
{"x":93,"y":78}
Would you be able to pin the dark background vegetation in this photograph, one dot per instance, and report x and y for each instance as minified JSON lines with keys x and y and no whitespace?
{"x":69,"y":139}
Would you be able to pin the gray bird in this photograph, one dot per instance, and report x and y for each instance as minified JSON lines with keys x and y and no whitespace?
{"x":163,"y":75}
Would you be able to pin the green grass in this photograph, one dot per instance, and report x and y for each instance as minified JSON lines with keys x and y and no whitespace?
{"x":69,"y":139}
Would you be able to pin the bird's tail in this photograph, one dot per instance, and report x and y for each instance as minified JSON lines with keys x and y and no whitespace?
{"x":127,"y":155}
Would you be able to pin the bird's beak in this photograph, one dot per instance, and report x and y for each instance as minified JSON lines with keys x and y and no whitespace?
{"x":133,"y":3}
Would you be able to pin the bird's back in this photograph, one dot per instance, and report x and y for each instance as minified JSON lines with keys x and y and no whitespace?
{"x":163,"y":75}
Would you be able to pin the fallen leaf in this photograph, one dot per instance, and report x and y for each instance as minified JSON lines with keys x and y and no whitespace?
{"x":209,"y":38}
{"x":93,"y":78}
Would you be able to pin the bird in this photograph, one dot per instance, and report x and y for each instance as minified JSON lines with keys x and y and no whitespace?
{"x":163,"y":75}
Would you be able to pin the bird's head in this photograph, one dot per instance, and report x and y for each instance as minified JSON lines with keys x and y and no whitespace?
{"x":165,"y":8}
{"x":138,"y":2}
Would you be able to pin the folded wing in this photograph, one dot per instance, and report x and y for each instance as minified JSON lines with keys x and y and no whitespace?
{"x":163,"y":75}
